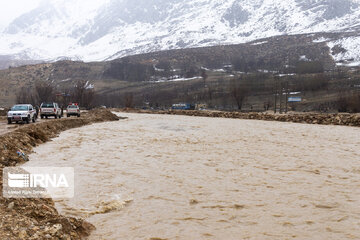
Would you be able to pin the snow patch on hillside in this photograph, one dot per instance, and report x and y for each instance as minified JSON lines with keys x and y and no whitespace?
{"x":321,"y":39}
{"x":175,"y":79}
{"x":259,"y":43}
{"x":351,"y":54}
{"x":103,"y":30}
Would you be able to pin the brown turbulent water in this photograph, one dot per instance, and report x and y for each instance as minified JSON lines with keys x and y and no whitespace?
{"x":178,"y":177}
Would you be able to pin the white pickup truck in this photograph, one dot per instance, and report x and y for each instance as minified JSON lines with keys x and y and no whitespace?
{"x":21,"y":113}
{"x":50,"y":109}
{"x":73,"y":110}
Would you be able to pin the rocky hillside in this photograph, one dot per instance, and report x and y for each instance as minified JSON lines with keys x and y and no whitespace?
{"x":306,"y":61}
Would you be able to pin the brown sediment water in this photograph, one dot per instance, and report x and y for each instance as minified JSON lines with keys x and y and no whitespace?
{"x":180,"y":177}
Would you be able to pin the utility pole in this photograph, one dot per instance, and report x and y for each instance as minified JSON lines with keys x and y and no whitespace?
{"x":277,"y":92}
{"x":281,"y":96}
{"x":275,"y":96}
{"x":287,"y":96}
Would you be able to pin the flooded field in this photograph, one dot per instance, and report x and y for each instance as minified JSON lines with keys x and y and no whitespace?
{"x":178,"y":177}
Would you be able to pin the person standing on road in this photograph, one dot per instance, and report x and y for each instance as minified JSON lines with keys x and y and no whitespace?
{"x":37,"y":111}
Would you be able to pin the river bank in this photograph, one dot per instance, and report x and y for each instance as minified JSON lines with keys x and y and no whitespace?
{"x":38,"y":218}
{"x":342,"y":119}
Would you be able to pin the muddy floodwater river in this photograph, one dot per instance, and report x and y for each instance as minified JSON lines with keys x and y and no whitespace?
{"x":180,"y":177}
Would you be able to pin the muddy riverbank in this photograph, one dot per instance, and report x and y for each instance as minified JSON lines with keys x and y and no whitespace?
{"x":38,"y":218}
{"x":342,"y":119}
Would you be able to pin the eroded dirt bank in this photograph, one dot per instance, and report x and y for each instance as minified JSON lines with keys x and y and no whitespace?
{"x":343,"y":119}
{"x":38,"y":218}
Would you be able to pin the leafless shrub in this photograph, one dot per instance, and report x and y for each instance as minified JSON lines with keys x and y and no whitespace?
{"x":25,"y":96}
{"x":43,"y":92}
{"x":83,"y":94}
{"x":349,"y":103}
{"x":129,"y":100}
{"x":239,"y":90}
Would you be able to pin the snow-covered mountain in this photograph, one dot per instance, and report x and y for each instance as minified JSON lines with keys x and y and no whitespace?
{"x":108,"y":29}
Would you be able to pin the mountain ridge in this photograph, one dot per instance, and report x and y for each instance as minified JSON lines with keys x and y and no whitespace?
{"x":117,"y":28}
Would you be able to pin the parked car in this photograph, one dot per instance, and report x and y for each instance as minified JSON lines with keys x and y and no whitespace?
{"x":73,"y":110}
{"x":183,"y":106}
{"x":21,"y":113}
{"x":50,"y":110}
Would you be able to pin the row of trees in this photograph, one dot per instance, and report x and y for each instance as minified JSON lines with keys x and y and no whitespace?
{"x":223,"y":93}
{"x":253,"y":65}
{"x":239,"y":92}
{"x":128,"y":71}
{"x":247,"y":91}
{"x":44,"y":91}
{"x":349,"y":103}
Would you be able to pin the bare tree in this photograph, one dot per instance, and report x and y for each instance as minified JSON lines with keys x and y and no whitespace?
{"x":204,"y":76}
{"x":88,"y":98}
{"x":83,"y":93}
{"x":348,"y":102}
{"x":129,"y":100}
{"x":44,"y":92}
{"x":65,"y":97}
{"x":79,"y":90}
{"x":239,"y":90}
{"x":25,"y":95}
